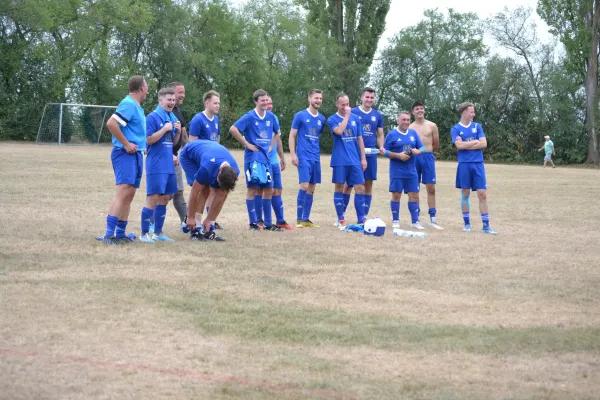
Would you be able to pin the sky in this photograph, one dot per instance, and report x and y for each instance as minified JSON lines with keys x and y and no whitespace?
{"x":405,"y":13}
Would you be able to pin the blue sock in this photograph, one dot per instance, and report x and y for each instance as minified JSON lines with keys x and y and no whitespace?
{"x":413,"y":207}
{"x":146,"y":218}
{"x":467,"y":218}
{"x":485,"y":218}
{"x":258,"y":200}
{"x":307,"y":207}
{"x":359,"y":205}
{"x":346,"y":201}
{"x":432,"y":212}
{"x":160,"y":213}
{"x":121,"y":228}
{"x":395,"y":207}
{"x":111,"y":224}
{"x":268,"y":217}
{"x":368,"y":198}
{"x":300,"y":203}
{"x":251,"y":206}
{"x":278,"y":208}
{"x":338,"y":202}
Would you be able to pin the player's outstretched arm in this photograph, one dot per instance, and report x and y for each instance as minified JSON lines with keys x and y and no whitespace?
{"x":292,"y":146}
{"x":235,"y":132}
{"x":113,"y":127}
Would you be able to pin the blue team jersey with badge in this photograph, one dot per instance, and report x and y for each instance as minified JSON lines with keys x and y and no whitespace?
{"x":398,"y":142}
{"x":204,"y":128}
{"x":309,"y":129}
{"x":160,"y":154}
{"x":130,"y":117}
{"x":345,"y":147}
{"x":273,"y":154}
{"x":259,"y":132}
{"x":370,"y":122}
{"x":209,"y":155}
{"x":468,"y":133}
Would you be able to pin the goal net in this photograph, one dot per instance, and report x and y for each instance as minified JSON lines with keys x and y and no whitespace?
{"x":64,"y":123}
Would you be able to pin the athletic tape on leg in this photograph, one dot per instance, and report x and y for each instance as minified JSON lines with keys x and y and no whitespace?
{"x":465,"y":200}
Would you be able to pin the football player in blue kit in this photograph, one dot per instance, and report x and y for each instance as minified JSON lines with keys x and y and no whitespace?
{"x":128,"y":129}
{"x":401,"y":145}
{"x":257,"y":130}
{"x":210,"y":170}
{"x":372,"y":124}
{"x":347,"y":158}
{"x":306,"y":155}
{"x":162,"y":130}
{"x":469,"y":139}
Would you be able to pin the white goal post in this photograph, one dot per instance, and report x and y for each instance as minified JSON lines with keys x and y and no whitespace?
{"x":66,"y":123}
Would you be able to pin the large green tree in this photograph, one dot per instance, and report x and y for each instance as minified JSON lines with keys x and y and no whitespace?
{"x":577,"y":24}
{"x":357,"y":26}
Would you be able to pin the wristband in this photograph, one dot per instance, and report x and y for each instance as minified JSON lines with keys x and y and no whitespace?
{"x":387,"y":153}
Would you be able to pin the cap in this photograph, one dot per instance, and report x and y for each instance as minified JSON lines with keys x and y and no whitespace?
{"x":546,"y":137}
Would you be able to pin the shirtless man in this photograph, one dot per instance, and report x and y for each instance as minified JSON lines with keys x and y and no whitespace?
{"x":425,"y":163}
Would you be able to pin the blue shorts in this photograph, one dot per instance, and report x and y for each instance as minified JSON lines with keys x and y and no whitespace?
{"x":276,"y":175}
{"x":425,"y":164}
{"x":127,"y":167}
{"x":309,"y":171}
{"x":349,"y":174}
{"x":161,"y":184}
{"x":471,"y":175}
{"x":190,"y":167}
{"x":251,"y":184}
{"x":371,"y":171}
{"x":404,"y":184}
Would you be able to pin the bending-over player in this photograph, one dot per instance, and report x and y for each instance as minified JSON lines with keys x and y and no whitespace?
{"x":209,"y":169}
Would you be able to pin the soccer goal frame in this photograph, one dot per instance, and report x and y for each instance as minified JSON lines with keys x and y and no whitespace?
{"x":73,"y":123}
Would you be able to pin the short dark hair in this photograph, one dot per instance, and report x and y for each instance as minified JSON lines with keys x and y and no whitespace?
{"x":175,"y":84}
{"x":166,"y":91}
{"x":259,"y":93}
{"x":209,"y":95}
{"x":368,"y":89}
{"x":463,"y":106}
{"x":416,"y":104}
{"x":135,"y":83}
{"x":228,"y":178}
{"x":340,"y":95}
{"x":314,"y":91}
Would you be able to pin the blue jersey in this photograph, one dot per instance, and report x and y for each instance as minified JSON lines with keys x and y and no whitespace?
{"x":370,"y":122}
{"x":204,"y":128}
{"x":273,"y":154}
{"x":209,"y":155}
{"x":259,"y":132}
{"x":345,"y":147}
{"x":160,"y":154}
{"x":468,"y":133}
{"x":130,"y":117}
{"x":309,"y":128}
{"x":398,"y":142}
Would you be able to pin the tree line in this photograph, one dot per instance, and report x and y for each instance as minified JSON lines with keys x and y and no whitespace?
{"x":85,"y":50}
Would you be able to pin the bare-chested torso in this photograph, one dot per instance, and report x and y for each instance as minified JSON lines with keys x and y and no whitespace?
{"x":425,"y":130}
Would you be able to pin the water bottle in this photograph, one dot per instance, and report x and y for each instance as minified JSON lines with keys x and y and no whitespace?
{"x":403,"y":233}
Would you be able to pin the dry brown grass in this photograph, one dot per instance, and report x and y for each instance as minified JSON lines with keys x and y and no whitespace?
{"x":325,"y":315}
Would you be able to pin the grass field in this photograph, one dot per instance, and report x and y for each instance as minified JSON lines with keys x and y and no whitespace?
{"x":306,"y":314}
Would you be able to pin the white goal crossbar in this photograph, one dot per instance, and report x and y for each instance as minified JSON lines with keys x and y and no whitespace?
{"x":71,"y":123}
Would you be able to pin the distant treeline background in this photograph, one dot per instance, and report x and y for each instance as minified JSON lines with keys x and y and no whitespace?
{"x":84,"y":51}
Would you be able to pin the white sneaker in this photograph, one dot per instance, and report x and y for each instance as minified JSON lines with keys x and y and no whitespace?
{"x":435,"y":225}
{"x":146,"y":238}
{"x":417,"y":225}
{"x":395,"y":224}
